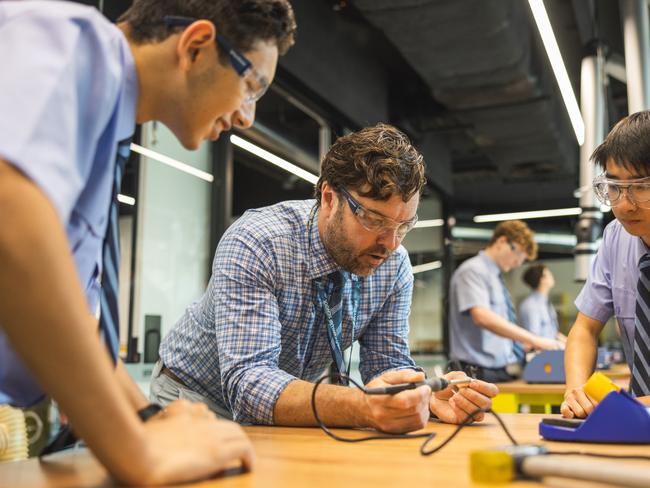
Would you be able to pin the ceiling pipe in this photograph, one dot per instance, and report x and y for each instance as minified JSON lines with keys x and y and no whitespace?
{"x":636,"y":35}
{"x":592,"y":105}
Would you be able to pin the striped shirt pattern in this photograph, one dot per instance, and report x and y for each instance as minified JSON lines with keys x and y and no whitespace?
{"x":640,"y":383}
{"x":259,"y":325}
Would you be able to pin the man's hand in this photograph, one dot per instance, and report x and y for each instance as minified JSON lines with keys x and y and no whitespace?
{"x":543,"y":344}
{"x":403,"y":412}
{"x":187,"y":442}
{"x":577,"y":403}
{"x":453,"y":405}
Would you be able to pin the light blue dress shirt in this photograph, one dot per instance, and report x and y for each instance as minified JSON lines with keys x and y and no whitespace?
{"x":68,"y":93}
{"x":611,"y":286}
{"x":476,"y":283}
{"x":537,"y":315}
{"x":259,"y":325}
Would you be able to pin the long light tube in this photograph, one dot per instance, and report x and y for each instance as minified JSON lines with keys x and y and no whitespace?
{"x":161,"y":158}
{"x":429,"y":223}
{"x":533,"y":214}
{"x":127,"y":200}
{"x":273,"y":159}
{"x":559,"y":70}
{"x":420,"y":268}
{"x":475,"y":233}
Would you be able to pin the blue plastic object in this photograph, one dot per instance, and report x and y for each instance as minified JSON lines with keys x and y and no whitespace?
{"x":619,"y":419}
{"x":548,"y":366}
{"x":545,"y":367}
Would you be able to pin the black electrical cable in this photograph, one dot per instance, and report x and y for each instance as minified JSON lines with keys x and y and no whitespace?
{"x":465,"y":423}
{"x":430,"y":435}
{"x":356,"y":439}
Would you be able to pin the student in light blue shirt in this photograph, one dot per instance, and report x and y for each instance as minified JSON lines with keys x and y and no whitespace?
{"x":618,"y":281}
{"x":536,"y":312}
{"x":72,"y":87}
{"x":486,"y":341}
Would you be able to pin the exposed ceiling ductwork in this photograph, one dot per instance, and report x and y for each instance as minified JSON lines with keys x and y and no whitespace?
{"x":504,"y":120}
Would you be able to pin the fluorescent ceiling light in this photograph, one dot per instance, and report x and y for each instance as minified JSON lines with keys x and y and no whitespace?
{"x":429,"y":223}
{"x":273,"y":159}
{"x":161,"y":158}
{"x":475,"y":233}
{"x":125,"y":199}
{"x":534,"y":214}
{"x":420,"y":268}
{"x":559,"y":70}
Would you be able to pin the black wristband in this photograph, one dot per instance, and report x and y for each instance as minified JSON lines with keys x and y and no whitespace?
{"x":149,"y":411}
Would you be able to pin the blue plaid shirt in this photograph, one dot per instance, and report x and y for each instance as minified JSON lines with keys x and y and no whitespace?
{"x":259,"y":326}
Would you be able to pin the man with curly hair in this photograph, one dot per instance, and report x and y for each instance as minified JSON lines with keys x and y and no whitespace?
{"x":486,"y":342}
{"x":294,"y":285}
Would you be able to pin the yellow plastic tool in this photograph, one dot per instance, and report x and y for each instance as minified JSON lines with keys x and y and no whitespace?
{"x":501,"y":465}
{"x":598,"y":386}
{"x":493,"y":466}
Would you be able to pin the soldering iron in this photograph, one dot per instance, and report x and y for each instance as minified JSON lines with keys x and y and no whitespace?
{"x":435,"y":383}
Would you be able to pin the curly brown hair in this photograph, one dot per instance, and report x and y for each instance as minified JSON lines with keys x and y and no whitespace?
{"x":376,"y":162}
{"x":242,"y":22}
{"x":517,"y":231}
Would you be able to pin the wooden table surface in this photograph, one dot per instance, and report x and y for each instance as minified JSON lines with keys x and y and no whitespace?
{"x":305,"y":457}
{"x":520,"y":386}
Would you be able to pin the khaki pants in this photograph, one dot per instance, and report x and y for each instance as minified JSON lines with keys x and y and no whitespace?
{"x":164,"y":390}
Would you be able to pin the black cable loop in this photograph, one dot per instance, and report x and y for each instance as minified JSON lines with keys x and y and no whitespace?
{"x":430,"y":435}
{"x":357,"y":439}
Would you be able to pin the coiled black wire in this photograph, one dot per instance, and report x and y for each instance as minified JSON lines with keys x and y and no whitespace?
{"x":356,"y":439}
{"x":430,"y":435}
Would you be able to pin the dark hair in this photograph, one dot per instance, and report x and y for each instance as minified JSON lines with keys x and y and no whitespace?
{"x":376,"y":162}
{"x":516,"y":231}
{"x":242,"y":22}
{"x":533,"y":275}
{"x":627,"y":144}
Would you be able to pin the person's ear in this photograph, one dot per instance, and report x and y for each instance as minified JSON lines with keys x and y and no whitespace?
{"x":199,"y":37}
{"x":328,"y":198}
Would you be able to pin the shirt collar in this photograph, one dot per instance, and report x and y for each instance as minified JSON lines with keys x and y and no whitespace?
{"x":491,"y":264}
{"x":129,"y":97}
{"x":319,"y":261}
{"x":538,"y":296}
{"x":642,"y":249}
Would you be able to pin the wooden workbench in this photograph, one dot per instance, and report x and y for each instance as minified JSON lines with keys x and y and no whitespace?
{"x":305,"y":457}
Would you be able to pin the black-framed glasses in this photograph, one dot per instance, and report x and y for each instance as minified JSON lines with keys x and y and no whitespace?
{"x":518,"y":252}
{"x":610,"y":191}
{"x":256,"y":84}
{"x":374,"y":221}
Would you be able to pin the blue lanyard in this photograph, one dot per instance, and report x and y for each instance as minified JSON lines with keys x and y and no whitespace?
{"x":356,"y":300}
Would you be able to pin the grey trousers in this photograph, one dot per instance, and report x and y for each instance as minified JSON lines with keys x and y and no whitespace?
{"x":164,"y":390}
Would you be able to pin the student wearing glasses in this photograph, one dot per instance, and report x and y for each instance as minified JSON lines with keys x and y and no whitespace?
{"x":619,"y":280}
{"x":73,"y":86}
{"x":295,"y":284}
{"x":486,"y":341}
